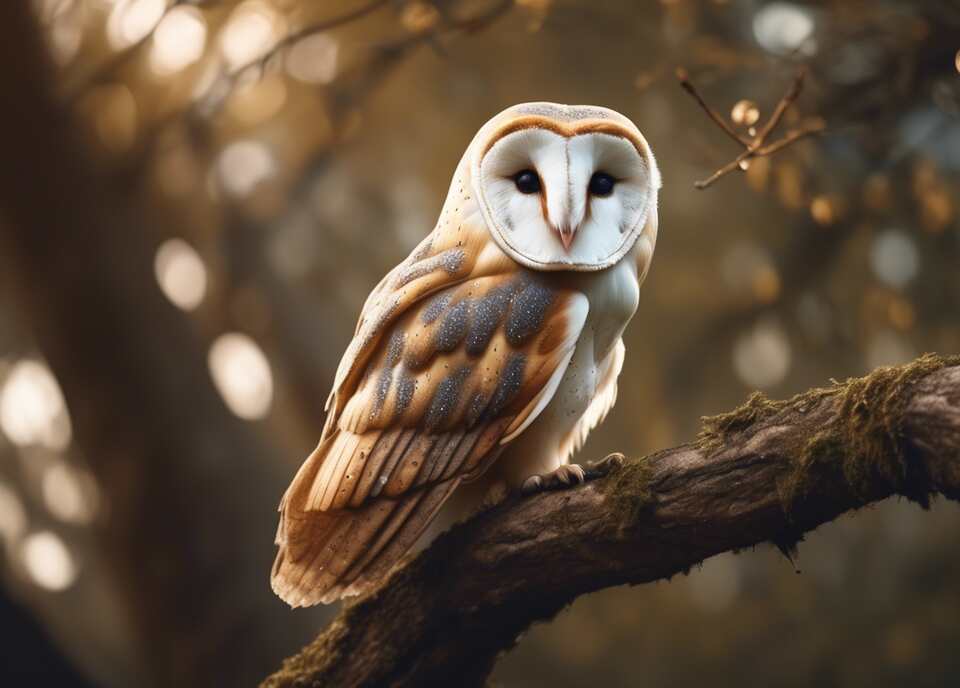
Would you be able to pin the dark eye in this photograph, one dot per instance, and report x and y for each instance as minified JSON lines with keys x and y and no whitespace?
{"x":601,"y":184}
{"x":527,"y":182}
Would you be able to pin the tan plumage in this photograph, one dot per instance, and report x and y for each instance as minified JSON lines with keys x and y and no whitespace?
{"x":458,"y":351}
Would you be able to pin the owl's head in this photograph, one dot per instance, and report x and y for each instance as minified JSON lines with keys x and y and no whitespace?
{"x":564,"y":187}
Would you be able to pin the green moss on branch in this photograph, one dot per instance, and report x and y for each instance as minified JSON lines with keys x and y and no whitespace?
{"x":864,"y":439}
{"x":861,"y":439}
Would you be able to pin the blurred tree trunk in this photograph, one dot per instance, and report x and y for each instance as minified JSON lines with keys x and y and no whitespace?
{"x":30,"y":657}
{"x":189,"y":490}
{"x":769,"y":471}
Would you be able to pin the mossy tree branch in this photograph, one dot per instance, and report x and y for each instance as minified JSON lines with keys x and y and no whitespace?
{"x":768,"y":472}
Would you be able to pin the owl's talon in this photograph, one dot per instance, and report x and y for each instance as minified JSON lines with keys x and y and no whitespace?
{"x":566,"y":476}
{"x":532,"y":485}
{"x":605,"y":466}
{"x":570,"y":474}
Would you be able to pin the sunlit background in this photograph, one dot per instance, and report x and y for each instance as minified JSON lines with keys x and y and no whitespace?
{"x":274,"y":158}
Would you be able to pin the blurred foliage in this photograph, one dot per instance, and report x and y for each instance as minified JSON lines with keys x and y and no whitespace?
{"x":294,"y":151}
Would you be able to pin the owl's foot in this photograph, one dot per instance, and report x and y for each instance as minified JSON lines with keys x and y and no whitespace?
{"x":571,"y":475}
{"x":605,"y":466}
{"x":567,"y":475}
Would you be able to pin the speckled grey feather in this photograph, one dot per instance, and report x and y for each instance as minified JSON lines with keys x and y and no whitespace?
{"x":395,"y":347}
{"x":453,"y":328}
{"x":446,"y":398}
{"x":510,"y":381}
{"x":487,"y":312}
{"x":435,"y":307}
{"x":405,"y":388}
{"x":450,"y":261}
{"x":383,"y":389}
{"x":527,"y":312}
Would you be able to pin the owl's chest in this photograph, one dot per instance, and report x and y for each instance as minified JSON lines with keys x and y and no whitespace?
{"x":613,"y":295}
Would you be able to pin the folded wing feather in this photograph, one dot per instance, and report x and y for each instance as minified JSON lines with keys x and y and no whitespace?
{"x":453,"y":355}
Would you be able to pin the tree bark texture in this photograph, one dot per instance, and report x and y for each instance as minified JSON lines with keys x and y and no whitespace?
{"x":769,"y":471}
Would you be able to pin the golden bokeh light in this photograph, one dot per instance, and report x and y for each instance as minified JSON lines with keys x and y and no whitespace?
{"x":242,"y":375}
{"x":251,"y":31}
{"x":181,"y":274}
{"x":313,"y":59}
{"x":762,"y":356}
{"x":419,"y":16}
{"x":47,"y":561}
{"x":936,"y":209}
{"x":67,"y":493}
{"x":178,"y":41}
{"x":65,"y":24}
{"x":894,"y":258}
{"x":32,"y":409}
{"x":131,"y":21}
{"x":826,"y":209}
{"x":901,"y":314}
{"x":784,"y":27}
{"x":766,"y":284}
{"x":243,"y":165}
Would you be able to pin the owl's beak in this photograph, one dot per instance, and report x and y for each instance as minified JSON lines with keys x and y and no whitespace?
{"x":566,"y":234}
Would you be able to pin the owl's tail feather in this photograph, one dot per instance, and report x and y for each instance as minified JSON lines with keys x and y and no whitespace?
{"x":327,"y":555}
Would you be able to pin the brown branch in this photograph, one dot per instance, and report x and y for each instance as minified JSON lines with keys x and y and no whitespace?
{"x":815,"y":126}
{"x":756,"y":146}
{"x":361,"y":79}
{"x":767,"y":472}
{"x":108,"y":69}
{"x":230,"y":78}
{"x":717,"y":118}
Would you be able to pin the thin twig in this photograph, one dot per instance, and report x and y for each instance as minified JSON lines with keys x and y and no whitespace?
{"x":198,"y":112}
{"x":756,"y":146}
{"x":791,"y":95}
{"x":815,"y":127}
{"x":723,"y":171}
{"x":711,"y":113}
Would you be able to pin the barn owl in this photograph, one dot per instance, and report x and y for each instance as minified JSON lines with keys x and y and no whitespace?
{"x":481,"y":362}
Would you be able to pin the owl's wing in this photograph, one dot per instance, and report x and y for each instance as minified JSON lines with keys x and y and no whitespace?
{"x":423,"y":402}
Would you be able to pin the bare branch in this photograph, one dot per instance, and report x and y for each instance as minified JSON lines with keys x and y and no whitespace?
{"x":687,"y":86}
{"x":230,"y":78}
{"x":756,"y":146}
{"x":360,"y":79}
{"x":817,"y":126}
{"x":782,"y":105}
{"x":108,"y":69}
{"x":769,"y":471}
{"x":723,"y":171}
